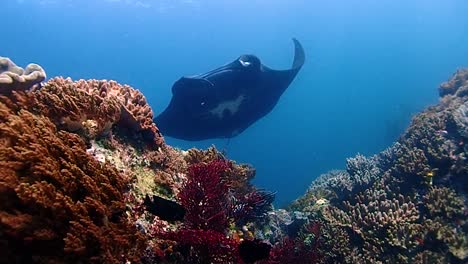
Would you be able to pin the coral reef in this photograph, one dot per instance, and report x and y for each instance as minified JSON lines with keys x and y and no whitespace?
{"x":14,"y":78}
{"x":58,"y":203}
{"x":408,"y":203}
{"x":87,"y":178}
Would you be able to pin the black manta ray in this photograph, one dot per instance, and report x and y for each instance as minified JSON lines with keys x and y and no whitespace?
{"x":224,"y":102}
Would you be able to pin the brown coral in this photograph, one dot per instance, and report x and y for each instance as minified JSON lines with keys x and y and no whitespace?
{"x":415,"y":212}
{"x":443,"y":202}
{"x":59,"y":204}
{"x":238,"y":175}
{"x":135,"y":111}
{"x":385,"y":224}
{"x":445,"y":221}
{"x":14,"y":78}
{"x":91,"y":108}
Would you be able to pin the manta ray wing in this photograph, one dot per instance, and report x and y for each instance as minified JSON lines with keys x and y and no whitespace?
{"x":225,"y":101}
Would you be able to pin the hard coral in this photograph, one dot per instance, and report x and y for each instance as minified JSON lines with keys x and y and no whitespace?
{"x":457,"y":85}
{"x":58,"y":204}
{"x":415,"y":210}
{"x":92,"y":108}
{"x":460,"y":117}
{"x":135,"y":111}
{"x":14,"y":78}
{"x":72,"y":109}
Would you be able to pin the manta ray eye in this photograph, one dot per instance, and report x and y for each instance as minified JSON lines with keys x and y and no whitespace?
{"x":245,"y":62}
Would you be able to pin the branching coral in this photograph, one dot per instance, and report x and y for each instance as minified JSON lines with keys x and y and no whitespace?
{"x":426,"y":133}
{"x":59,"y":204}
{"x":415,"y":209}
{"x":385,"y":225}
{"x":14,"y":78}
{"x":443,"y":202}
{"x":445,"y":222}
{"x":361,"y":172}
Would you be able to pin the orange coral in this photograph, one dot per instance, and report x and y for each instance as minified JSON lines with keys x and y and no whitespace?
{"x":92,"y":108}
{"x":58,"y":204}
{"x":135,"y":111}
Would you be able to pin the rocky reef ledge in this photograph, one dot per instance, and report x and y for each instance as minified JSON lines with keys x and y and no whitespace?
{"x":86,"y":177}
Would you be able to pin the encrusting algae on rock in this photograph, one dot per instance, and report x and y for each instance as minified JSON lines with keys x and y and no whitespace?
{"x":85,"y":171}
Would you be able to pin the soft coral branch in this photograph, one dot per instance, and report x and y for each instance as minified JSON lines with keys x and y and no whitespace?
{"x":204,"y":196}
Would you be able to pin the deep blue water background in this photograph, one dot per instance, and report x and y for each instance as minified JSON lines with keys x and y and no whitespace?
{"x":370,"y":65}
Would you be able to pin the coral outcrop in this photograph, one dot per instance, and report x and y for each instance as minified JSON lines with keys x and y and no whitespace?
{"x":457,"y":85}
{"x":407,"y":204}
{"x":92,"y":108}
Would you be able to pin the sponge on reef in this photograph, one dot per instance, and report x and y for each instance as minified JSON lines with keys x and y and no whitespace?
{"x":13,"y":77}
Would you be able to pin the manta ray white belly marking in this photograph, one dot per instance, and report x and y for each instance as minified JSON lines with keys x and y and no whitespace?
{"x":232,"y":106}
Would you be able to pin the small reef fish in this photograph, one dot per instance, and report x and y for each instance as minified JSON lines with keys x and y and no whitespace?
{"x":165,"y":209}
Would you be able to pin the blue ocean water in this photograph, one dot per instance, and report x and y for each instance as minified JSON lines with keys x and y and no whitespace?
{"x":370,"y":65}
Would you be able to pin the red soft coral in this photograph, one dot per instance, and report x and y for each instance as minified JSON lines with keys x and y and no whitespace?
{"x":203,"y":236}
{"x":204,"y":196}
